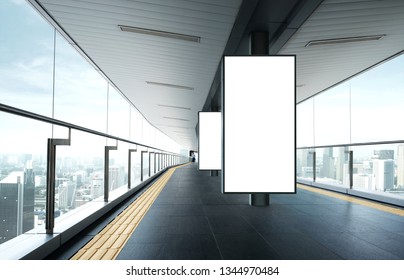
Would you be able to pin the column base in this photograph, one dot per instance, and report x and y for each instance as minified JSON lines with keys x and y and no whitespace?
{"x":259,"y":199}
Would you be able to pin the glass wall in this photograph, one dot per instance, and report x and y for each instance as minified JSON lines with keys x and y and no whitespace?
{"x":23,"y":145}
{"x":79,"y":171}
{"x":73,"y":77}
{"x":305,"y":123}
{"x":377,"y":102}
{"x":354,"y":116}
{"x":26,"y":58}
{"x":331,"y":116}
{"x":43,"y":74}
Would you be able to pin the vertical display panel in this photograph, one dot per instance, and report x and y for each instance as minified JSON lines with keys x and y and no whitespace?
{"x":259,"y":130}
{"x":210,"y":141}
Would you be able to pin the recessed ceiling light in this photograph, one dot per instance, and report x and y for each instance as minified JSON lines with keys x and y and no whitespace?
{"x":169,"y":85}
{"x":175,"y":107}
{"x":161,"y":33}
{"x":344,"y":40}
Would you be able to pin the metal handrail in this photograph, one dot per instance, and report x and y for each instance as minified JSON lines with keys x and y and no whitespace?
{"x":31,"y":115}
{"x":352,"y":144}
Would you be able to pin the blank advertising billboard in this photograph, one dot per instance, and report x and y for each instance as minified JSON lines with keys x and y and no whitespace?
{"x":210,"y":141}
{"x":259,"y":130}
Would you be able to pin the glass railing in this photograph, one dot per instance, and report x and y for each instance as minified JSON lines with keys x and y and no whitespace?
{"x":42,"y":179}
{"x":374,"y":168}
{"x":22,"y":174}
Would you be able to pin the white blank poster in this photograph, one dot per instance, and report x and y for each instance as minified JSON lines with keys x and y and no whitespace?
{"x":259,"y":145}
{"x":210,"y":141}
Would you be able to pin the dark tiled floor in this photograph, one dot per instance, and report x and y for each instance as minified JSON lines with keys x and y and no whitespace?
{"x":191,"y":219}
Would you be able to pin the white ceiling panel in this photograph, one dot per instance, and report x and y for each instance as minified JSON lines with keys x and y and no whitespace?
{"x":129,"y":59}
{"x":319,"y":67}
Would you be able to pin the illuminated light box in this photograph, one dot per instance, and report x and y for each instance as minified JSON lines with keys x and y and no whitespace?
{"x":259,"y":124}
{"x":210,"y":141}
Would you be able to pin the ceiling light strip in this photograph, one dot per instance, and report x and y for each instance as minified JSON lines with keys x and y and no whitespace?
{"x":160,"y":33}
{"x":344,"y":40}
{"x":174,"y":126}
{"x":177,"y":119}
{"x":181,"y":132}
{"x":169,"y":85}
{"x":175,"y":107}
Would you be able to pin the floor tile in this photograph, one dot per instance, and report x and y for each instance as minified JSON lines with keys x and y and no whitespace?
{"x":229,"y":224}
{"x":299,"y":246}
{"x":351,"y":247}
{"x":247,"y":246}
{"x":190,"y":247}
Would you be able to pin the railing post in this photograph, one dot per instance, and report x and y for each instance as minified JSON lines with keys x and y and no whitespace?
{"x":314,"y":166}
{"x":50,"y":180}
{"x":141,"y":165}
{"x":150,"y":155}
{"x":106,"y":170}
{"x":130,"y":151}
{"x":350,"y":169}
{"x":154,"y":162}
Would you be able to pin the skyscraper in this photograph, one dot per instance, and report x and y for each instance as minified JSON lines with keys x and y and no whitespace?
{"x":342,"y":158}
{"x":383,"y":174}
{"x":328,"y":169}
{"x":17,"y":204}
{"x":400,"y":165}
{"x":384,"y":154}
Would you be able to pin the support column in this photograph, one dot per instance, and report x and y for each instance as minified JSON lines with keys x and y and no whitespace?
{"x":215,"y":108}
{"x":259,"y":45}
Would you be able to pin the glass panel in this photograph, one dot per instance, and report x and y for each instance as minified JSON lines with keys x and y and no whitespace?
{"x":118,"y":166}
{"x":304,"y":161}
{"x":26,"y":58}
{"x":22,"y":174}
{"x":80,"y":91}
{"x":332,"y":165}
{"x":379,"y":168}
{"x":146,"y":132}
{"x":135,"y":168}
{"x":153,"y":164}
{"x":152,"y":137}
{"x":136,"y":128}
{"x":304,"y":123}
{"x":378,"y":102}
{"x":79,"y":171}
{"x":118,"y":114}
{"x":331,"y":116}
{"x":145,"y":165}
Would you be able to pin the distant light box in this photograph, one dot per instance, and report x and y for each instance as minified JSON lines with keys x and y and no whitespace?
{"x":259,"y":124}
{"x":210,"y":141}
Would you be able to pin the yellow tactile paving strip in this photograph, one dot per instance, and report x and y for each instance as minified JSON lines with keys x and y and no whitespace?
{"x":368,"y":203}
{"x":107,"y":244}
